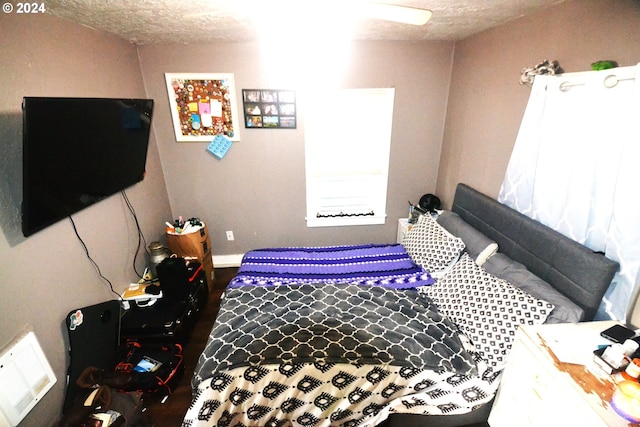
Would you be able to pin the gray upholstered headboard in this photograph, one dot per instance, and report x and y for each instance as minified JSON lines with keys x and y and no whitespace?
{"x":576,"y":271}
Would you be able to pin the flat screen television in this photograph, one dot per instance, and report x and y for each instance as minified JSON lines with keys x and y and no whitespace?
{"x":78,"y":151}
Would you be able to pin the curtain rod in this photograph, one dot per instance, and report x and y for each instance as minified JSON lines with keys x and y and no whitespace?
{"x":609,"y":82}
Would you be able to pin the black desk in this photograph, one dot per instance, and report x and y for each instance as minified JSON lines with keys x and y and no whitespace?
{"x":168,"y":319}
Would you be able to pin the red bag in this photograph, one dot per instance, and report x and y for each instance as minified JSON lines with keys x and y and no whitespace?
{"x":157,"y":368}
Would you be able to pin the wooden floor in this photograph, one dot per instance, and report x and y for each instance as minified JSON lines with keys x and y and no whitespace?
{"x":171,"y":413}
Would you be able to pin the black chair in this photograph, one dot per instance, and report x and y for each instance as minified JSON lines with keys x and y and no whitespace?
{"x":94,"y":338}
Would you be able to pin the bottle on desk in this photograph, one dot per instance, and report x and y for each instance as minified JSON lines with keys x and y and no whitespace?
{"x":157,"y":253}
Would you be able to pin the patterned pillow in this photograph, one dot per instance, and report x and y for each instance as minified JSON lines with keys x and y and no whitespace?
{"x":565,"y":311}
{"x":489,"y":310}
{"x":431,"y":246}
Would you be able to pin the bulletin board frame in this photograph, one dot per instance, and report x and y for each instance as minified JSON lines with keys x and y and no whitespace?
{"x":203,"y":105}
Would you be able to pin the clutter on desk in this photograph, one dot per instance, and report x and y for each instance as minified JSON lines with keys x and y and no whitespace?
{"x":631,"y":372}
{"x":625,"y":400}
{"x":190,"y":238}
{"x":174,"y":281}
{"x":144,"y":293}
{"x":616,"y":358}
{"x":171,"y":318}
{"x":157,"y":253}
{"x":181,"y":226}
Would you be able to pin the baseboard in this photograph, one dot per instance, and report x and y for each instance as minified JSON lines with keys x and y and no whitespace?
{"x":223,"y":261}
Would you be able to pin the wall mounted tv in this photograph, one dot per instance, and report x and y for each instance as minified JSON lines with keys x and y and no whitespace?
{"x":78,"y":151}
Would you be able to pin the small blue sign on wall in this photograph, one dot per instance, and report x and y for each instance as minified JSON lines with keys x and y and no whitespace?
{"x":219,"y":146}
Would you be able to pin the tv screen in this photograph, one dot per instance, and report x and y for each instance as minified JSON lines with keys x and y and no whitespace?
{"x":78,"y":151}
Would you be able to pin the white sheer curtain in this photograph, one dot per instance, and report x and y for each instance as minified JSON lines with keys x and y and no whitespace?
{"x":575,"y":167}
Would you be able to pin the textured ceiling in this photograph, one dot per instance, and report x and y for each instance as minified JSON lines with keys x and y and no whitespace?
{"x":195,"y":21}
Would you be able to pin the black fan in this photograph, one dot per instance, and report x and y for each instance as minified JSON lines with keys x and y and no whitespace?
{"x":430,"y":203}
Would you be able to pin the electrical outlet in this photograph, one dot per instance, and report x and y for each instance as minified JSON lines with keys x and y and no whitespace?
{"x":229,"y":235}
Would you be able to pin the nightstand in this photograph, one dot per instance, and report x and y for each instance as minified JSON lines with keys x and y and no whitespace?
{"x":403,"y":229}
{"x":551,"y":379}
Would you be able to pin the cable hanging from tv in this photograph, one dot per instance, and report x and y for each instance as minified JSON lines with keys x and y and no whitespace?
{"x":343,"y":214}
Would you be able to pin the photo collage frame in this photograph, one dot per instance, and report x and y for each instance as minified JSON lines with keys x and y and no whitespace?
{"x":269,"y":108}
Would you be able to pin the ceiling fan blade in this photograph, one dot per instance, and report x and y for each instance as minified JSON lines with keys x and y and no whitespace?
{"x":396,"y":13}
{"x":362,"y":8}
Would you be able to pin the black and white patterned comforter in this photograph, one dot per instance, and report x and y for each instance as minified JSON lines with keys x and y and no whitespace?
{"x":332,"y":354}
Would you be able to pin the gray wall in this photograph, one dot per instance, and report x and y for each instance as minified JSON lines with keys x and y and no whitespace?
{"x":44,"y":277}
{"x":258,"y":189}
{"x":486,"y":102}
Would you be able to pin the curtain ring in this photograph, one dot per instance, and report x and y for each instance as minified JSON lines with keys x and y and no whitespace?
{"x":610,"y":81}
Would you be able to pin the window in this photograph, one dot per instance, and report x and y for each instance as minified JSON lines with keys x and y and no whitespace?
{"x":347,"y":144}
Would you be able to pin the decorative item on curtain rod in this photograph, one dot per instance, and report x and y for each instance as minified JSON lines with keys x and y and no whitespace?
{"x":546,"y":67}
{"x":574,"y":168}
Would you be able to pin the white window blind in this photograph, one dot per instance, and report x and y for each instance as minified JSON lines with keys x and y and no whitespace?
{"x":347,"y":145}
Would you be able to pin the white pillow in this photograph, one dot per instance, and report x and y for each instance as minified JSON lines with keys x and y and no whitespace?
{"x":488,"y":309}
{"x":431,"y":246}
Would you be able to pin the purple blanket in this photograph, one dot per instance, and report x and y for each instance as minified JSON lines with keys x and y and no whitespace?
{"x":382,"y":265}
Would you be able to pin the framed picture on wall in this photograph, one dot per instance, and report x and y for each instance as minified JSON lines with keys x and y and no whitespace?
{"x":269,"y":108}
{"x":202,"y":106}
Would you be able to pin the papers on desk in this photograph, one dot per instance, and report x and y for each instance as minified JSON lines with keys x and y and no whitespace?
{"x":138,"y":291}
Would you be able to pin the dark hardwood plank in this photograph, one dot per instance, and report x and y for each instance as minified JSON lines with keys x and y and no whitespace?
{"x":172,"y":411}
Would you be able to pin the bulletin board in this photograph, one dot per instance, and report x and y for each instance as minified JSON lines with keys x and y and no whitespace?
{"x":203,"y":105}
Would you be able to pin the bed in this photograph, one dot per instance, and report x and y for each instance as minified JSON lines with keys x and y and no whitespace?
{"x":411,"y":334}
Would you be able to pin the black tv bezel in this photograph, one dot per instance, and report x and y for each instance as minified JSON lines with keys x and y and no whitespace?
{"x":29,"y":229}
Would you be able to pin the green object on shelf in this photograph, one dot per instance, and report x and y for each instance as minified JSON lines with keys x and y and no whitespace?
{"x":603,"y":65}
